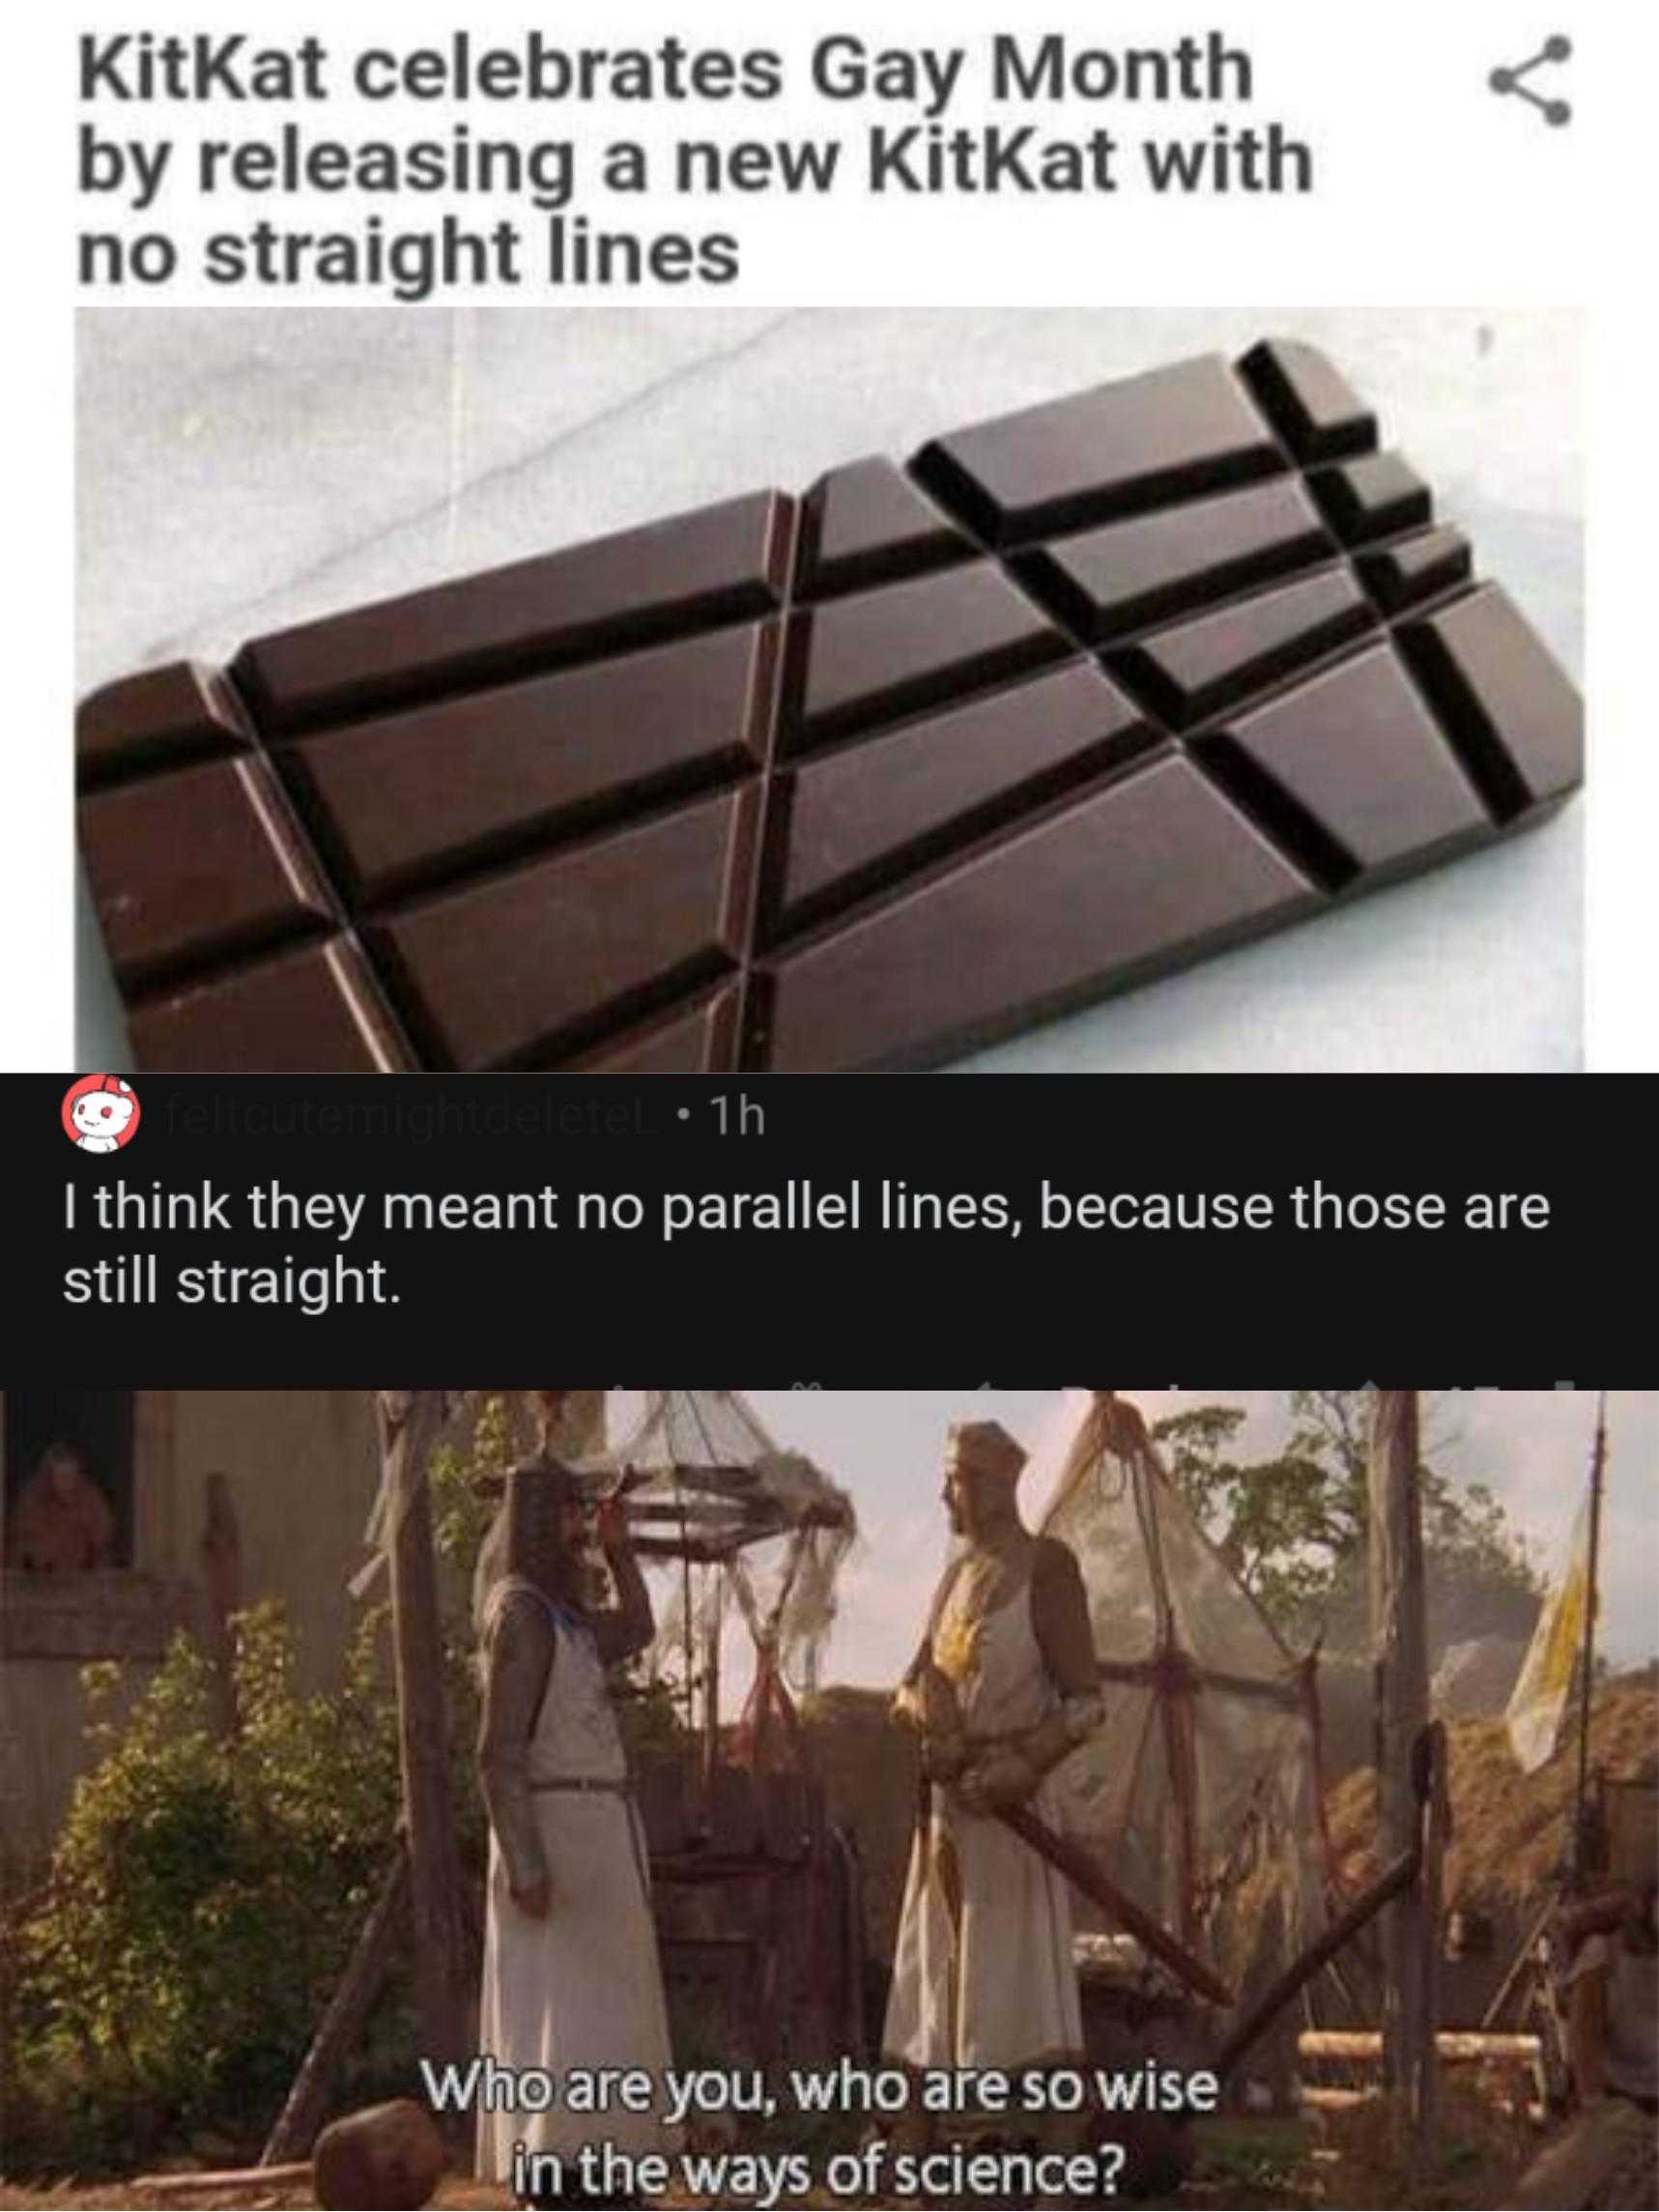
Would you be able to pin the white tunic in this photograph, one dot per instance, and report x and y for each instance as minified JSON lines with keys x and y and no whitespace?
{"x":582,"y":1989}
{"x":983,"y":1973}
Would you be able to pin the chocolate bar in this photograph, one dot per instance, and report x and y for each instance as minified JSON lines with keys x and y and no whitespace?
{"x":854,"y":781}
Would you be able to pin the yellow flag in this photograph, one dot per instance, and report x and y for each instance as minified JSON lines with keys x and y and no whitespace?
{"x":1546,"y":1678}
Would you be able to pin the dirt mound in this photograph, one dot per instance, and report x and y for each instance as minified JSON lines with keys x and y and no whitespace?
{"x":1511,"y":1829}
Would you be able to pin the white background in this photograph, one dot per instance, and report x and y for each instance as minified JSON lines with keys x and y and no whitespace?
{"x":1431,"y":191}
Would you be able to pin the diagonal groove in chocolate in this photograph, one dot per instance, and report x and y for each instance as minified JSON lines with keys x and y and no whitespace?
{"x":717,"y":564}
{"x":488,"y":776}
{"x":1067,"y":699}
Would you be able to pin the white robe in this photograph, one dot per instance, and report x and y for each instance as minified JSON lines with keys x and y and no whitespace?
{"x":582,"y":1989}
{"x":983,"y":1973}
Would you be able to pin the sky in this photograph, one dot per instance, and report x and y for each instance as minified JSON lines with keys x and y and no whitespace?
{"x":1532,"y":1448}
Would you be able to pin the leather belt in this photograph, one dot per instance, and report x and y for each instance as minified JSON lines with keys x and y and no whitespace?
{"x":586,"y":1785}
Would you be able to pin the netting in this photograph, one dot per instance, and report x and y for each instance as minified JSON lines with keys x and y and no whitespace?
{"x":1204,"y":1778}
{"x":775,"y":1526}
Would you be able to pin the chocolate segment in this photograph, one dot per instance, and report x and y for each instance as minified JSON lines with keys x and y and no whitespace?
{"x":868,"y":524}
{"x":1146,"y":873}
{"x":1107,"y":582}
{"x":316,"y":1007}
{"x":425,"y":792}
{"x":1502,"y":696}
{"x":1372,"y":498}
{"x":1195,"y":669}
{"x":1082,"y":694}
{"x":1112,"y":451}
{"x":522,"y":969}
{"x":700,"y":1043}
{"x":849,"y":819}
{"x":716,"y":564}
{"x":1351,"y":772}
{"x":1414,"y":570}
{"x":196,"y":865}
{"x":1308,"y":400}
{"x":176,"y":712}
{"x":883,"y":653}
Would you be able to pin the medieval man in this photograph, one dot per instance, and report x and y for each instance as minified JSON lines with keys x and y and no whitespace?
{"x":1003,"y":1689}
{"x":571,"y":1974}
{"x":62,"y":1523}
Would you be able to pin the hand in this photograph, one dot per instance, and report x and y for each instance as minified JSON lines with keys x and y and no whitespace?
{"x":536,"y":1901}
{"x":944,"y":1756}
{"x":1000,"y":1779}
{"x":927,"y":1702}
{"x":610,"y":1524}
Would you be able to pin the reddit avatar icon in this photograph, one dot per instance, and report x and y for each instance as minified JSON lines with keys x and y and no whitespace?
{"x":101,"y":1113}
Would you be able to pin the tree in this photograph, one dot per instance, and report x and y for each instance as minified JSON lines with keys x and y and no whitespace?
{"x":205,"y":1892}
{"x":1279,"y":1523}
{"x":1294,"y":1527}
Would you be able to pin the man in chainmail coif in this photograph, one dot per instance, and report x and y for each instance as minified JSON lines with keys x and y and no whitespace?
{"x":1003,"y":1688}
{"x":571,"y":1974}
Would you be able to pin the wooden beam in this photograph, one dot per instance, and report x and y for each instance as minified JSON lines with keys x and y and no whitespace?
{"x":1320,"y":2100}
{"x":700,"y":1551}
{"x":1388,"y":1885}
{"x":1458,"y":2045}
{"x":1524,"y":1961}
{"x":713,"y":1628}
{"x":1579,"y":1840}
{"x":722,"y":1515}
{"x":1399,"y":1647}
{"x":1290,"y":1695}
{"x":238,"y":2181}
{"x":410,"y":1421}
{"x":1086,"y":1876}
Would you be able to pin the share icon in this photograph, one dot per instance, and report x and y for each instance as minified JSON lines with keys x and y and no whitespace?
{"x":1513,"y":79}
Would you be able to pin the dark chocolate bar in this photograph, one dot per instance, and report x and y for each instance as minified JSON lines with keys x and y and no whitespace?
{"x":858,"y":781}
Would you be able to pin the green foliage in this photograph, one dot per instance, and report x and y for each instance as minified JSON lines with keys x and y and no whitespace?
{"x":207,"y":1887}
{"x":648,"y":1711}
{"x":1279,"y":1523}
{"x":205,"y":1892}
{"x":463,"y":1485}
{"x":1294,"y":1527}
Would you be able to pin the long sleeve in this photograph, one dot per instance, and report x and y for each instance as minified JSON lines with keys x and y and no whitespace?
{"x":630,"y":1624}
{"x":1060,"y":1616}
{"x":518,"y":1660}
{"x":1065,"y":1633}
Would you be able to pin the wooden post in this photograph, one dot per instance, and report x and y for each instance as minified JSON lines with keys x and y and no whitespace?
{"x":1399,"y":1647}
{"x":713,"y":1628}
{"x":409,"y":1422}
{"x":1578,"y":1852}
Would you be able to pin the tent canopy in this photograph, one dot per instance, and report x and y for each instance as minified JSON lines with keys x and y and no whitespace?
{"x":706,"y":1486}
{"x":701,"y":1461}
{"x":1207,"y":1769}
